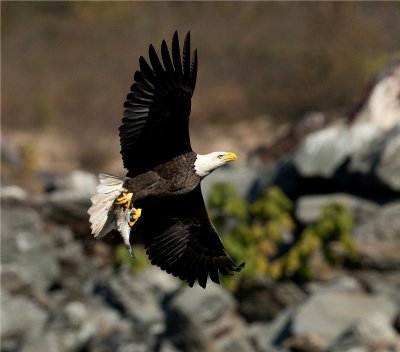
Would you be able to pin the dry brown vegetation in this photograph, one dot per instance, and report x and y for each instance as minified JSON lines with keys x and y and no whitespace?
{"x":67,"y":66}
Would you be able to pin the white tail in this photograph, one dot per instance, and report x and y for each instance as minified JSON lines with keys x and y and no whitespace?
{"x":101,"y":218}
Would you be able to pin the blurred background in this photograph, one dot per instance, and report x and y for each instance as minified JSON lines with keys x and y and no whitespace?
{"x":307,"y":95}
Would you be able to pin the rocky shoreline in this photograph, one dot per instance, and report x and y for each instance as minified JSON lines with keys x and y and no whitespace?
{"x":61,"y":290}
{"x":56,"y":297}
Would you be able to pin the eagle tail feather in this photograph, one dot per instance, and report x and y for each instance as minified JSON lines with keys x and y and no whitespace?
{"x":101,"y":219}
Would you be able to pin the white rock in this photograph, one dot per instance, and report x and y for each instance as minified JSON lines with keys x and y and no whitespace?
{"x":388,"y":168}
{"x":330,"y":314}
{"x":13,"y":193}
{"x":76,"y":313}
{"x":383,"y":105}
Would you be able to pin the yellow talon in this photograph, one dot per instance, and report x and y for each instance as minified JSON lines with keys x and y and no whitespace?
{"x":136,"y":213}
{"x":125,"y":200}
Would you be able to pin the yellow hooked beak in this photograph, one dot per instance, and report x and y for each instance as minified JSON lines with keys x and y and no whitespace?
{"x":230,"y":156}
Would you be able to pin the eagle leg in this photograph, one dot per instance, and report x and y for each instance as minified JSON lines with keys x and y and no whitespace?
{"x":136,"y":213}
{"x":125,"y":199}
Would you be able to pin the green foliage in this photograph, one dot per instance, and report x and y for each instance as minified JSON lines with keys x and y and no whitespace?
{"x":253,"y":232}
{"x":123,"y":258}
{"x":331,"y":235}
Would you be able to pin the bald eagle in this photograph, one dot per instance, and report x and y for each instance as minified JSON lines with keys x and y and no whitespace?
{"x":162,"y":186}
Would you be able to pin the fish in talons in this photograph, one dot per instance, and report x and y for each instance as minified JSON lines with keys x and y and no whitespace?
{"x":112,"y":209}
{"x":125,"y":217}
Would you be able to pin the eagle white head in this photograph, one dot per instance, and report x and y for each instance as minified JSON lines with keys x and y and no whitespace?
{"x":205,"y":164}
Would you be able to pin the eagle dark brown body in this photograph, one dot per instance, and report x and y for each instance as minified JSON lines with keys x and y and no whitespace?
{"x":161,"y":195}
{"x":173,"y":178}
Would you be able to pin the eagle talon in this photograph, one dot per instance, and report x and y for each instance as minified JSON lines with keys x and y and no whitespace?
{"x":136,"y":213}
{"x":125,"y":200}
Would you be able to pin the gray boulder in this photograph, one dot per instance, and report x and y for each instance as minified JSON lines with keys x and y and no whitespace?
{"x":269,"y":336}
{"x":24,"y":244}
{"x":362,"y":160}
{"x":262,"y":299}
{"x":197,"y":318}
{"x":378,"y":239}
{"x":80,"y":326}
{"x":388,"y":168}
{"x":382,"y":106}
{"x":386,"y":289}
{"x":206,"y":305}
{"x":66,"y":207}
{"x":330,"y":313}
{"x":158,"y":282}
{"x":359,"y":158}
{"x":70,"y":198}
{"x":309,"y":208}
{"x":309,"y":343}
{"x":167,"y":346}
{"x":13,"y":194}
{"x":134,"y":302}
{"x":373,"y":331}
{"x":16,"y":280}
{"x":21,"y":319}
{"x":324,"y":151}
{"x":236,"y":343}
{"x":77,"y":182}
{"x":346,"y":284}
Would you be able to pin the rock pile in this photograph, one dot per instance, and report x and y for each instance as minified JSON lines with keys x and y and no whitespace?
{"x":56,"y":295}
{"x":61,"y":292}
{"x":358,"y":159}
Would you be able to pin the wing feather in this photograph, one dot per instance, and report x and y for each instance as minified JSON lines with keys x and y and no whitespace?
{"x":176,"y":55}
{"x":155,"y":125}
{"x":166,"y":57}
{"x":193,"y":70}
{"x":144,"y":67}
{"x":180,"y":239}
{"x":155,"y":61}
{"x":202,"y":272}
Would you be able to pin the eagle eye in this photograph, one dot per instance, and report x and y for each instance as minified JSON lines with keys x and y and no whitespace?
{"x":220,"y":156}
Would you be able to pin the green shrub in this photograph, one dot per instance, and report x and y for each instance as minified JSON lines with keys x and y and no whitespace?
{"x":331,"y":235}
{"x":254,"y":232}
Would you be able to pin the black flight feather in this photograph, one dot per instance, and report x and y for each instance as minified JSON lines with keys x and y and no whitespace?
{"x":186,"y":59}
{"x":176,"y":55}
{"x":183,"y":241}
{"x":166,"y":93}
{"x":155,"y":61}
{"x":166,"y":57}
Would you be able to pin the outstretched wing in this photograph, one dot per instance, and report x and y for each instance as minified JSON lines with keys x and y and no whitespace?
{"x":180,"y":239}
{"x":155,"y":126}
